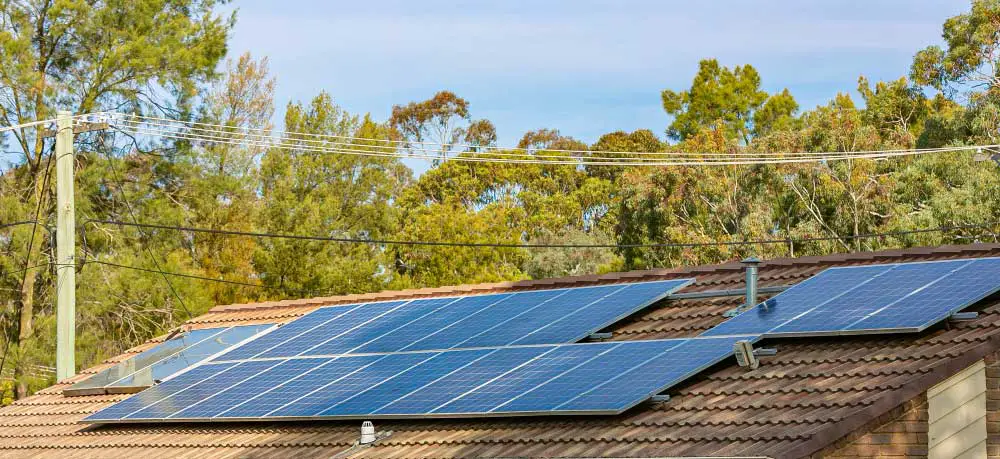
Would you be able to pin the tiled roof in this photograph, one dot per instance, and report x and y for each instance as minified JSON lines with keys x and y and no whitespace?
{"x":814,"y":392}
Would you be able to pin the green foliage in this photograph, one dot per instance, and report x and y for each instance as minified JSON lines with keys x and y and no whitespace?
{"x":326,"y":194}
{"x":729,"y":97}
{"x":972,"y":52}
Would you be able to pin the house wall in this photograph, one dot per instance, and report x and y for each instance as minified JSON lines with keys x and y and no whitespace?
{"x":958,"y":418}
{"x":956,"y":414}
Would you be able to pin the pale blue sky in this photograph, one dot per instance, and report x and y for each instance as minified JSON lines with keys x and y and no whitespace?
{"x":585,"y":67}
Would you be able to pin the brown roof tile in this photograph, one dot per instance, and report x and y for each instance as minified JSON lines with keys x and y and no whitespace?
{"x":812,"y":393}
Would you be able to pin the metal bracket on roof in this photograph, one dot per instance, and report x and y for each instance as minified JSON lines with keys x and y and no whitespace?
{"x":746,"y":357}
{"x":660,"y":398}
{"x":765,"y":352}
{"x":962,"y":316}
{"x":600,"y":336}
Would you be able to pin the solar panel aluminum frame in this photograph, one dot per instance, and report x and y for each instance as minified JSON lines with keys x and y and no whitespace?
{"x":119,"y":390}
{"x":877,"y":331}
{"x":583,"y":335}
{"x":753,"y":339}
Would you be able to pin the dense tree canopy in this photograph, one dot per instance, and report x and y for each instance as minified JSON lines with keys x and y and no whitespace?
{"x":89,"y":56}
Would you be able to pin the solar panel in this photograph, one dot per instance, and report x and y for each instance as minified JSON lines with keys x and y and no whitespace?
{"x":531,"y":317}
{"x":891,"y":298}
{"x":164,"y":360}
{"x":585,"y":378}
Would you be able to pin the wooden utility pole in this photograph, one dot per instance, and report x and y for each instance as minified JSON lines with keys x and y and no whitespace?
{"x":66,"y":128}
{"x":65,"y":249}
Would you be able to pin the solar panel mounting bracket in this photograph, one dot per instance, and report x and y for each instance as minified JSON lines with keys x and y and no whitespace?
{"x":964,"y":316}
{"x":765,"y":352}
{"x":660,"y":398}
{"x":600,"y":336}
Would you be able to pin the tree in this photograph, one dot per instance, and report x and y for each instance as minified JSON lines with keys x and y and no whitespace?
{"x":973,"y":52}
{"x":729,"y":97}
{"x":549,"y":139}
{"x":895,"y":108}
{"x":222,"y":179}
{"x":437,"y":119}
{"x":90,"y":56}
{"x":618,"y":145}
{"x":971,"y":62}
{"x":328,"y":195}
{"x":480,"y":134}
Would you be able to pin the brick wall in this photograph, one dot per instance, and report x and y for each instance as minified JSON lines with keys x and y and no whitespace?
{"x":900,"y":434}
{"x":993,"y":406}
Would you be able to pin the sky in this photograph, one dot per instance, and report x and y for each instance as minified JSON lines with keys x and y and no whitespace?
{"x":585,"y":67}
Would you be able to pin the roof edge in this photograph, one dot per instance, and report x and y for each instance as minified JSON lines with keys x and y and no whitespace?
{"x":733,"y":265}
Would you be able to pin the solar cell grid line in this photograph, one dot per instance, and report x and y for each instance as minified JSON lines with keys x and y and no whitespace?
{"x":563,"y":388}
{"x":235,"y":394}
{"x":952,"y":293}
{"x":404,"y":382}
{"x":287,"y":332}
{"x":608,"y":310}
{"x":307,"y":382}
{"x":332,"y":329}
{"x":518,"y":365}
{"x":552,"y":378}
{"x":654,"y":375}
{"x":158,"y":392}
{"x":371,"y":331}
{"x":512,"y":328}
{"x":798,"y":299}
{"x":315,"y":402}
{"x":402,"y":337}
{"x":202,"y":390}
{"x":513,"y":383}
{"x":514,"y":305}
{"x":413,"y":400}
{"x":880,"y":292}
{"x":456,"y":383}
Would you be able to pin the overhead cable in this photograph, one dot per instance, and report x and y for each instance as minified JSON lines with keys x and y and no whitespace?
{"x":544,"y":246}
{"x":297,"y":147}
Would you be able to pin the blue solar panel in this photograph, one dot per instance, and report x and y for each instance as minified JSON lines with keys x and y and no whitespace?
{"x":589,"y":378}
{"x":904,"y":297}
{"x":532,"y":317}
{"x":164,"y":360}
{"x":187,"y":358}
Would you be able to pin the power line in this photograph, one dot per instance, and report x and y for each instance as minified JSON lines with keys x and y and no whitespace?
{"x":300,"y":143}
{"x":497,"y":158}
{"x":168,"y":273}
{"x":227,"y":132}
{"x":267,"y":134}
{"x":201,"y":278}
{"x":25,"y":222}
{"x":761,"y":242}
{"x":152,"y":257}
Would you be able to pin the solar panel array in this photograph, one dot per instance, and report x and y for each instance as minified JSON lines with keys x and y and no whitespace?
{"x":903,"y":297}
{"x":588,"y":378}
{"x":504,"y":354}
{"x":532,"y":317}
{"x":164,"y":360}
